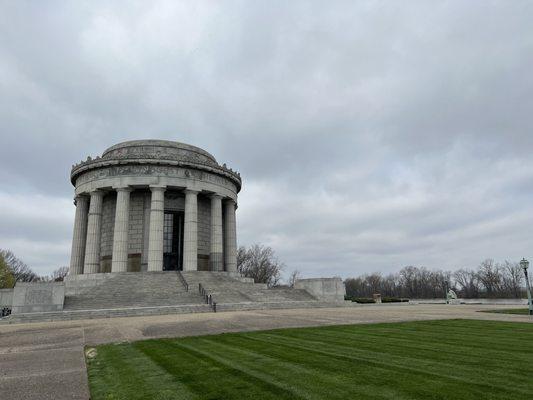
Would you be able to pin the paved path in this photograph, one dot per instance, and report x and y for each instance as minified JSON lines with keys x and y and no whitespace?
{"x":46,"y":361}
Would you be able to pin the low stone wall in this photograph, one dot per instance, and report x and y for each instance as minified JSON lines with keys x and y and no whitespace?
{"x":324,"y":289}
{"x":6,"y":298}
{"x":38,"y":297}
{"x":472,"y":301}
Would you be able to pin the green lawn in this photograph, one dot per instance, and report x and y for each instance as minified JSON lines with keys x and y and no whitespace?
{"x":522,"y":311}
{"x":416,"y":360}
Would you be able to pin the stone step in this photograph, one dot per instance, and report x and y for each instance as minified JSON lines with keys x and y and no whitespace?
{"x":126,"y":290}
{"x":66,"y":315}
{"x":225,"y":288}
{"x":276,"y":305}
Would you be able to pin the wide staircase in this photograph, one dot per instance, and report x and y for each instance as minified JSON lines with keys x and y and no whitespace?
{"x":159,"y":293}
{"x":121,"y":295}
{"x":232,"y":293}
{"x":130,"y":290}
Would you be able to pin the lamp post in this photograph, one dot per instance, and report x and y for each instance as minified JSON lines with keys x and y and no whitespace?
{"x":525,"y":264}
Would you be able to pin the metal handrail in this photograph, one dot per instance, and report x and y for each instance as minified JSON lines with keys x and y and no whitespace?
{"x":183,"y":281}
{"x":207,"y":297}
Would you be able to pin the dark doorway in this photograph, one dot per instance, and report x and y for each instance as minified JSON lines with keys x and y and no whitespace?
{"x":173,"y":241}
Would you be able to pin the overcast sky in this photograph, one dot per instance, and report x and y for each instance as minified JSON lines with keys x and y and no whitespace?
{"x":369,"y":135}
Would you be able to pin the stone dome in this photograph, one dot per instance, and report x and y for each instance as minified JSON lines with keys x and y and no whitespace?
{"x":160,"y":149}
{"x":142,"y":162}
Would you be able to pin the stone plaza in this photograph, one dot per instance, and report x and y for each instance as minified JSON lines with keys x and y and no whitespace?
{"x":46,"y":360}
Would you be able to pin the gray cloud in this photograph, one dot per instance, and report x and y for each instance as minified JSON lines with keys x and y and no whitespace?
{"x":370,"y":135}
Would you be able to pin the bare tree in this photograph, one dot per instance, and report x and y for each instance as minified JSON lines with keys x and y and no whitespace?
{"x":355,"y":287}
{"x":390,"y":286}
{"x":490,"y":276}
{"x":468,"y":282}
{"x":59,"y":274}
{"x":242,"y":257}
{"x":408,"y":281}
{"x":259,"y":262}
{"x":491,"y":279}
{"x":293,"y":277}
{"x":373,"y":283}
{"x":512,"y":279}
{"x":440,"y":282}
{"x":21,"y":272}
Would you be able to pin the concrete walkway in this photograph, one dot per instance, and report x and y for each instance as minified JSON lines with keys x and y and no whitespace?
{"x":46,"y":360}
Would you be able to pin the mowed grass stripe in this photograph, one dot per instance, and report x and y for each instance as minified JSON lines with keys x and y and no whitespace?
{"x":314,"y":379}
{"x":415,"y":354}
{"x":326,"y":371}
{"x":124,"y":366}
{"x":394,"y":344}
{"x":446,"y":351}
{"x":406,"y":366}
{"x":474,"y":337}
{"x":451,"y":359}
{"x":211,"y":369}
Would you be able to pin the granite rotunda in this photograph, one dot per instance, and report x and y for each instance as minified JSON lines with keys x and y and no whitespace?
{"x":154,"y":205}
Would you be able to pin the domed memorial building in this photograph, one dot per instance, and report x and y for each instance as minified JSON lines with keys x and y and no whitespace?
{"x":154,"y":233}
{"x":154,"y":205}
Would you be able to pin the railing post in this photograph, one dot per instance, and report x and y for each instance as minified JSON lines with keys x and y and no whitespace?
{"x":207,"y":297}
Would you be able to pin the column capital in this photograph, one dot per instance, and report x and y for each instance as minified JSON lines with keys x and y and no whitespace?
{"x":158,"y":188}
{"x":191,"y":191}
{"x":97,"y":193}
{"x":122,"y":188}
{"x":215,"y":196}
{"x":81,"y":196}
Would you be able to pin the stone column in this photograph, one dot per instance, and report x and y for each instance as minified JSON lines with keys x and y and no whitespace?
{"x":119,"y":262}
{"x":190,"y":231}
{"x":230,"y":237}
{"x":155,"y":236}
{"x":94,"y":223}
{"x":146,"y":231}
{"x":77,"y":255}
{"x":216,"y":260}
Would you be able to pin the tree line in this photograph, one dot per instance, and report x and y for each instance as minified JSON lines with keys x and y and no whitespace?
{"x":13,"y":269}
{"x":490,"y":279}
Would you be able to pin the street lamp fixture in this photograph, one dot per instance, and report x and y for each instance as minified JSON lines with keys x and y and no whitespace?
{"x":525,"y":265}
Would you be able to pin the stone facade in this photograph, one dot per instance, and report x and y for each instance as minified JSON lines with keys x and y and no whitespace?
{"x":324,"y":289}
{"x":131,"y":212}
{"x":29,"y":297}
{"x":6,"y":298}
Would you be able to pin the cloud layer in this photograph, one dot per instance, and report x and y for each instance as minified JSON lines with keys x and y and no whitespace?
{"x":370,"y":135}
